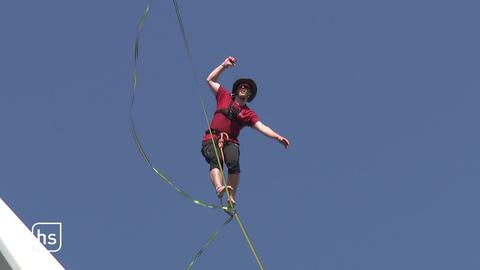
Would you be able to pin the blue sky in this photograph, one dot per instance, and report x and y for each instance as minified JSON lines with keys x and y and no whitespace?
{"x":378,"y":98}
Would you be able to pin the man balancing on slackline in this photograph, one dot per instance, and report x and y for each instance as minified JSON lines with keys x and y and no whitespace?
{"x":231,"y":115}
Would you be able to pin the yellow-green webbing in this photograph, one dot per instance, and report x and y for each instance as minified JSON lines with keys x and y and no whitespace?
{"x":234,"y":212}
{"x":132,"y":123}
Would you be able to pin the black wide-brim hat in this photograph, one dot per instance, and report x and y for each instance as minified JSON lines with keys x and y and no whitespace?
{"x":253,"y":87}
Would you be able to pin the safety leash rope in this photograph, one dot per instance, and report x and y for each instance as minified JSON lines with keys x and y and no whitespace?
{"x":221,"y":141}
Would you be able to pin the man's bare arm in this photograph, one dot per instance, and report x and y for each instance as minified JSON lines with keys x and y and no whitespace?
{"x":267,"y":131}
{"x":212,"y":78}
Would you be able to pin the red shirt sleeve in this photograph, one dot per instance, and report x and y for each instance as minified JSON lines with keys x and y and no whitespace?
{"x":251,"y":118}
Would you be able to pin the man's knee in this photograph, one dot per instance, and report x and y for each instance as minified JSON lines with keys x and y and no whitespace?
{"x":232,"y":158}
{"x":233,"y":167}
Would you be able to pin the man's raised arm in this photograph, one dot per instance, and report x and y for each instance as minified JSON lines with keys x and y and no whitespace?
{"x":213,"y":76}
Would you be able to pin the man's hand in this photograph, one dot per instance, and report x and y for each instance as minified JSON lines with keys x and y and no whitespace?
{"x":283,"y":141}
{"x":229,"y":62}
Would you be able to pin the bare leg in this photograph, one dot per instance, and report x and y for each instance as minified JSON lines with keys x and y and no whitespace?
{"x":216,"y":177}
{"x":233,"y":180}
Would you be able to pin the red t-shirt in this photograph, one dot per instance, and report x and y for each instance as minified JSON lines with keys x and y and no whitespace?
{"x":221,"y":123}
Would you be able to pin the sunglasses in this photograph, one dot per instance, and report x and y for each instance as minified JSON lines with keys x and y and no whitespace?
{"x":244,"y":86}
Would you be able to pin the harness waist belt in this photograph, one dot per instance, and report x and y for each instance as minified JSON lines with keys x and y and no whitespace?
{"x":216,"y":132}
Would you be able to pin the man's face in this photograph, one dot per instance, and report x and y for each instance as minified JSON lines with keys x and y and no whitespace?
{"x":243,"y":91}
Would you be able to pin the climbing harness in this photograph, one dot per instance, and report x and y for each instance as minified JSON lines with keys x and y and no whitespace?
{"x":217,"y":133}
{"x":230,"y":208}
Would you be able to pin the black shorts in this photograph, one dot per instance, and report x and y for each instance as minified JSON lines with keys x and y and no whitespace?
{"x":231,"y":152}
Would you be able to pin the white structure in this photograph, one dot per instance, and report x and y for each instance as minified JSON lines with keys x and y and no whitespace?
{"x":19,"y":248}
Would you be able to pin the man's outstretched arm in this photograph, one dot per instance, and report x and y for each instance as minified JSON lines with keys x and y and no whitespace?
{"x":267,"y":131}
{"x":213,"y":76}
